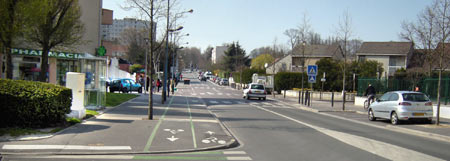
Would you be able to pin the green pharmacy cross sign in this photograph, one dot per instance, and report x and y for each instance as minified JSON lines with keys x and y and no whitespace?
{"x":101,"y":51}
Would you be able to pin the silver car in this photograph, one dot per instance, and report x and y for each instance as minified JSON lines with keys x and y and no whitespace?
{"x":402,"y":105}
{"x":255,"y":90}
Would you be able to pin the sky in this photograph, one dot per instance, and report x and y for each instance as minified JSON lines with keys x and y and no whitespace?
{"x":259,"y":23}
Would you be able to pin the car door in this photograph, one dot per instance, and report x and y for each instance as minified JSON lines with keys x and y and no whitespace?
{"x":378,"y":107}
{"x":392,"y":104}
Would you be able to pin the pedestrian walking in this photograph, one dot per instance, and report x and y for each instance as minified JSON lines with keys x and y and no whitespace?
{"x":158,"y":84}
{"x":142,"y":82}
{"x":148,"y":82}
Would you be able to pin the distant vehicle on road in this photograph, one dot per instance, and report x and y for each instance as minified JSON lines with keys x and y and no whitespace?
{"x":402,"y":105}
{"x":208,"y":75}
{"x":255,"y":90}
{"x":217,"y":81}
{"x":124,"y":85}
{"x":224,"y":82}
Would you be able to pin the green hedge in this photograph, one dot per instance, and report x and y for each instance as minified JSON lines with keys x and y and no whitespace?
{"x":290,"y":80}
{"x":247,"y":75}
{"x":33,"y":104}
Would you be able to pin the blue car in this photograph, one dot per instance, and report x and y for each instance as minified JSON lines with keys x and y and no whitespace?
{"x":124,"y":85}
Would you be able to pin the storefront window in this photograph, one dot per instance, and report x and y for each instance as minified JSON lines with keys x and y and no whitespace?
{"x":26,"y":68}
{"x":65,"y":66}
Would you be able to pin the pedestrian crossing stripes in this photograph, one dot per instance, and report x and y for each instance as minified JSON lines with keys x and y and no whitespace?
{"x":264,"y":104}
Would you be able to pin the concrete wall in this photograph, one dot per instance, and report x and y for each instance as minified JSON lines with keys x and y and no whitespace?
{"x":279,"y":65}
{"x":383,"y":60}
{"x":325,"y":95}
{"x":91,"y":13}
{"x":217,"y":53}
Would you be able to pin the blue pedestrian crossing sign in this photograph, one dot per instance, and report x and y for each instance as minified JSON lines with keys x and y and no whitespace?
{"x":312,"y":70}
{"x":311,"y":79}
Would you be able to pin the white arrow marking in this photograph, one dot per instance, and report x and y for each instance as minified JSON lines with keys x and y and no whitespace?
{"x":172,"y":139}
{"x":210,"y":132}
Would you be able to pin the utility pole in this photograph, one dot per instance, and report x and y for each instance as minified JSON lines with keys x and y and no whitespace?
{"x":150,"y":95}
{"x":163,"y":94}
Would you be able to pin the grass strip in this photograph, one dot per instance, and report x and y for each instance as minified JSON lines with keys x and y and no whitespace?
{"x":114,"y":99}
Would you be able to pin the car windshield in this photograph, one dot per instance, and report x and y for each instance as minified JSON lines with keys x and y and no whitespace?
{"x":257,"y":86}
{"x":416,"y":97}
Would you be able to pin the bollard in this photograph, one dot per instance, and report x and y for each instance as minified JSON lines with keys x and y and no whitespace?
{"x":299,"y":98}
{"x":332,"y":99}
{"x":309,"y":98}
{"x":306,"y":97}
{"x":302,"y":97}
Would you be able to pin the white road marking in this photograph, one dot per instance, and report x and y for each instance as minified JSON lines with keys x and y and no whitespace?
{"x":195,"y":101}
{"x":267,"y":104}
{"x":106,"y":157}
{"x":202,"y":93}
{"x":239,"y":158}
{"x":193,"y":120}
{"x":228,"y":94}
{"x":240,"y":102}
{"x":219,"y":93}
{"x":65,"y":147}
{"x":209,"y":93}
{"x":234,"y":152}
{"x":213,"y":102}
{"x":385,"y":150}
{"x":227,"y":102}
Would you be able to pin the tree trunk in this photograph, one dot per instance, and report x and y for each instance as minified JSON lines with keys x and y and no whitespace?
{"x":44,"y":64}
{"x":9,"y":65}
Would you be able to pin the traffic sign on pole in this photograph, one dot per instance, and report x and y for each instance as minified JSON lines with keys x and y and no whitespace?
{"x":311,"y":79}
{"x":312,"y":70}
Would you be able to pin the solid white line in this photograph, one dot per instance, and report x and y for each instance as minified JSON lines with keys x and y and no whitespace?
{"x":234,"y":152}
{"x":109,"y":157}
{"x":385,"y":150}
{"x":239,"y":158}
{"x":65,"y":147}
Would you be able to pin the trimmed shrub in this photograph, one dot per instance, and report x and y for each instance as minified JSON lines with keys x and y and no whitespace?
{"x":290,"y":80}
{"x":247,"y":75}
{"x":33,"y":104}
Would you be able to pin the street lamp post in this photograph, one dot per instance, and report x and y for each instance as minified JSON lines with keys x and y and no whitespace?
{"x":146,"y":64}
{"x":303,"y":66}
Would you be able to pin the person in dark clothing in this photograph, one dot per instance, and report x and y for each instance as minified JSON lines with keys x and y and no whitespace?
{"x":148,"y":83}
{"x":370,"y":93}
{"x":158,"y":84}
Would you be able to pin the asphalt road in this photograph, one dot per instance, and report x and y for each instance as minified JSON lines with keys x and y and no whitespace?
{"x":274,"y":130}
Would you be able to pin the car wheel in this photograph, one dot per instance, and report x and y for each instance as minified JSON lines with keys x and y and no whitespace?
{"x":264,"y":98}
{"x":140,"y":90}
{"x":371,"y":115}
{"x":111,"y":91}
{"x":124,"y":90}
{"x":394,"y":118}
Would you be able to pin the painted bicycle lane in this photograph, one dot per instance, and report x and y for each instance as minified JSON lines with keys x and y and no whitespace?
{"x":187,"y":125}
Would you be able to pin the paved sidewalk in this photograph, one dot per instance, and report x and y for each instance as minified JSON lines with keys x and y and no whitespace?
{"x":182,"y":124}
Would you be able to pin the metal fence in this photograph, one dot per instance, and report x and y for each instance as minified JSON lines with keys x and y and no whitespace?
{"x":426,"y":85}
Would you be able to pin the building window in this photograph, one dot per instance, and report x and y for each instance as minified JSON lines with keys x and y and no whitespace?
{"x":283,"y":67}
{"x":396,"y":61}
{"x":362,"y":58}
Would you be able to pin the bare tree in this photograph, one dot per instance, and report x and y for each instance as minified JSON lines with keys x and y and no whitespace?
{"x":51,"y":24}
{"x":423,"y":35}
{"x":293,"y":37}
{"x":344,"y":32}
{"x":442,"y":9}
{"x":432,"y":33}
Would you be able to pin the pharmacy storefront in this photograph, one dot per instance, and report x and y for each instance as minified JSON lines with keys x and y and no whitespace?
{"x":27,"y":65}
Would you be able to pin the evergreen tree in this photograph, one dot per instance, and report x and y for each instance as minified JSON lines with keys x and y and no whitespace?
{"x":235,"y":58}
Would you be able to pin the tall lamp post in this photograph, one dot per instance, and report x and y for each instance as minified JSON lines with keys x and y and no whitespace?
{"x":166,"y":62}
{"x":303,"y":65}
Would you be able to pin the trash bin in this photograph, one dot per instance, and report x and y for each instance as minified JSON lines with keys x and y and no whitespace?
{"x":187,"y":81}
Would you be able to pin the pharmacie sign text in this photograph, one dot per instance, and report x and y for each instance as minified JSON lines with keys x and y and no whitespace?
{"x":56,"y":54}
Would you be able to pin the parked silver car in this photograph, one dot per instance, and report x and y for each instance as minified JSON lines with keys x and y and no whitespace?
{"x":402,"y":105}
{"x":255,"y":90}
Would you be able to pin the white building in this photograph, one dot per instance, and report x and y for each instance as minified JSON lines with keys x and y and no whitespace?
{"x":112,"y":32}
{"x":217,"y":53}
